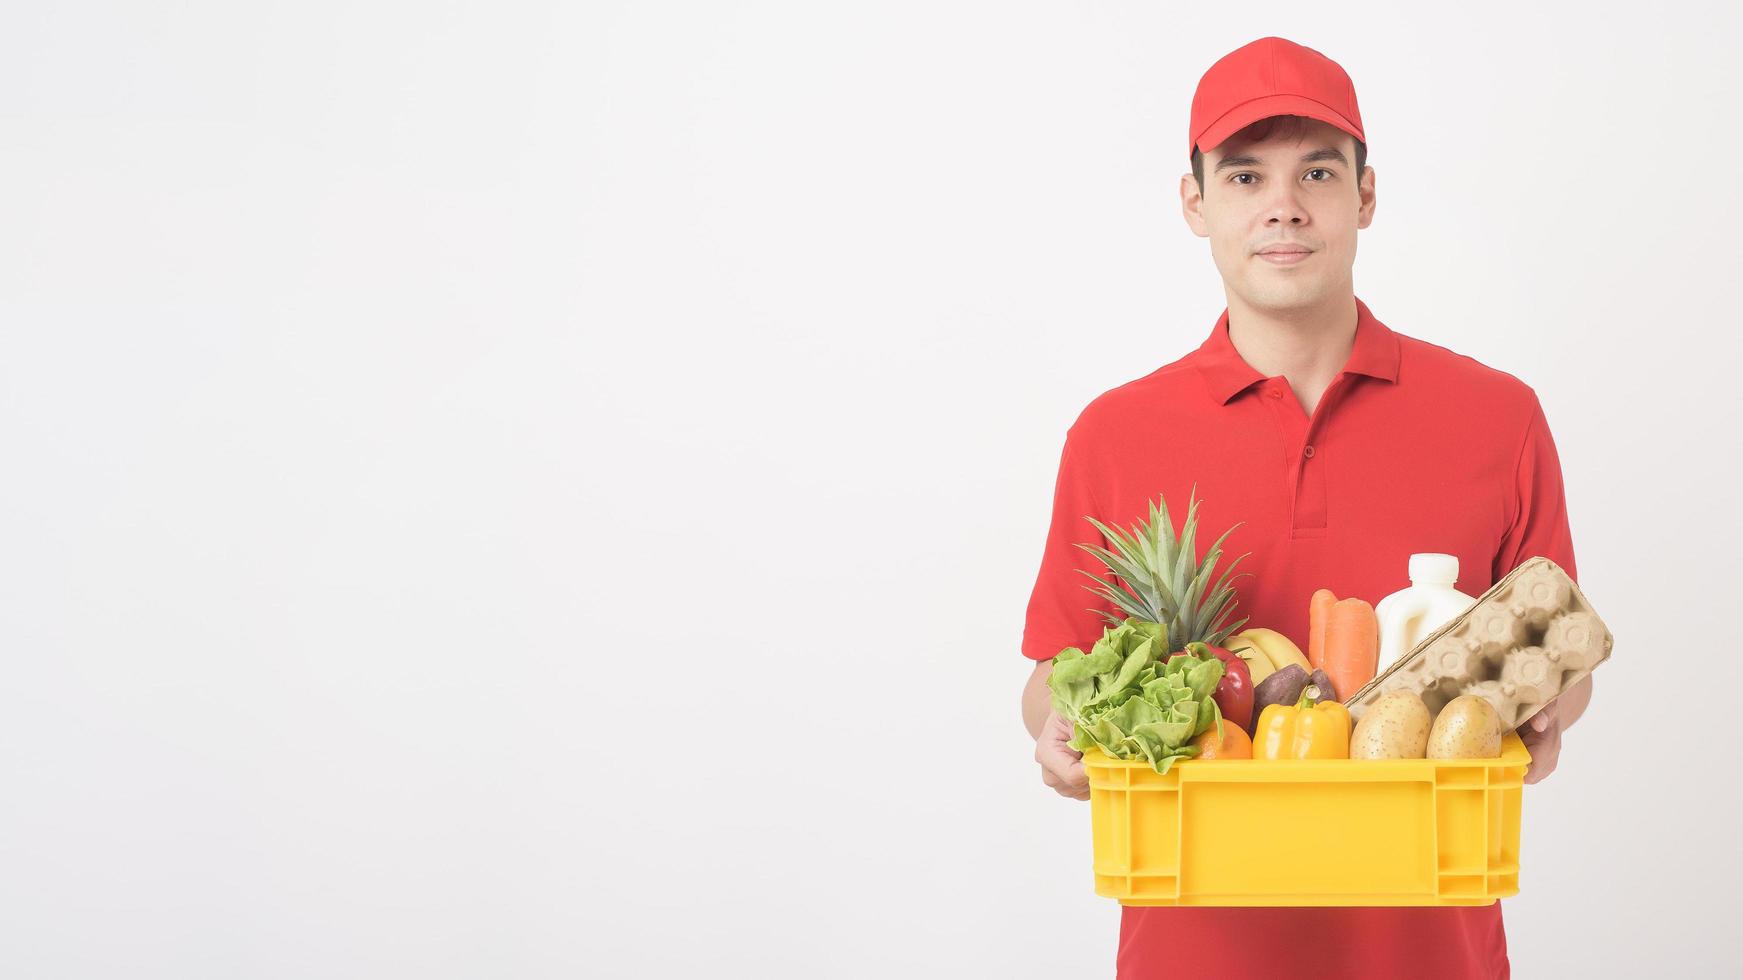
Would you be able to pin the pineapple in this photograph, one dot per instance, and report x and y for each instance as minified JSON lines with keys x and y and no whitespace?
{"x":1164,"y":580}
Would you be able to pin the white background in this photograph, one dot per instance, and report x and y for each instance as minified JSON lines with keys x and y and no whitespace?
{"x":543,"y":490}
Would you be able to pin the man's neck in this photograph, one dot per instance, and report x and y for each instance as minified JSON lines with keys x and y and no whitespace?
{"x":1307,"y":346}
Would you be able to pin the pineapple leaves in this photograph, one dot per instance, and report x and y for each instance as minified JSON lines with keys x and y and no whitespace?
{"x":1159,"y":577}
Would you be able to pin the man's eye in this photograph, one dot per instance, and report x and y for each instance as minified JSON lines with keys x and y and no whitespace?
{"x":1316,"y":170}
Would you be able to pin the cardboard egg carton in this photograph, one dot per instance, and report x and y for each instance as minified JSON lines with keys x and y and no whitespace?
{"x":1530,"y":637}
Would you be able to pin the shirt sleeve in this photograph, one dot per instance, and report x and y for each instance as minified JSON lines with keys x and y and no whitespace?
{"x":1540,"y":522}
{"x":1063,"y":611}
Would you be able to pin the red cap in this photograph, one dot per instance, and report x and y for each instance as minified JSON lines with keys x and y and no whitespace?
{"x":1271,"y":77}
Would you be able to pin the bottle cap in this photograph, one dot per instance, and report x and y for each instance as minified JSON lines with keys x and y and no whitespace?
{"x":1432,"y":568}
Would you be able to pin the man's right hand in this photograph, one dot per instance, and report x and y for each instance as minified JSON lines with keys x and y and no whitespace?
{"x":1061,"y":765}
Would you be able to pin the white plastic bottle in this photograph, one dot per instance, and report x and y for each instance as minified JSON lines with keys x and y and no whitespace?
{"x":1407,"y":616}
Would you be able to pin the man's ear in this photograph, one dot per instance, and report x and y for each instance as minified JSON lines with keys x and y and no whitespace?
{"x":1192,"y":206}
{"x":1365,"y":216}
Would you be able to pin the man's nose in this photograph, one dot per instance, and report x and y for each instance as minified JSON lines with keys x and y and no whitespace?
{"x":1285,"y":206}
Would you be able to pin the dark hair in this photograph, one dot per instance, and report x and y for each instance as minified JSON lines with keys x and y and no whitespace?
{"x":1291,"y":125}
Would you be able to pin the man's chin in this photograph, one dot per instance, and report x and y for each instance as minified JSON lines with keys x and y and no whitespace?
{"x":1283,"y":299}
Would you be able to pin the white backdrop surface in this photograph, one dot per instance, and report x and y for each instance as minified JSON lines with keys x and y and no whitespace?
{"x":549,"y":490}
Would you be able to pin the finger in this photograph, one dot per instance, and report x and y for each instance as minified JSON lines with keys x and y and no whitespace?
{"x":1047,"y":750}
{"x":1057,"y":756}
{"x":1068,"y":771}
{"x":1539,"y":722}
{"x":1061,"y":736}
{"x":1059,"y":728}
{"x":1060,"y":786}
{"x":1066,"y":767}
{"x":1076,"y":778}
{"x":1543,"y":760}
{"x":1070,"y":790}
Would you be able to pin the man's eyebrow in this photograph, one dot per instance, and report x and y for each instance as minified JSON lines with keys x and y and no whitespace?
{"x":1248,"y":160}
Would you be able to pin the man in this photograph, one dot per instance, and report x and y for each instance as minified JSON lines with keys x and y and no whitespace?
{"x":1339,"y":446}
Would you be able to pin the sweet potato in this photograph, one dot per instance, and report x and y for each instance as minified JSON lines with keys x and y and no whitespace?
{"x":1282,"y":687}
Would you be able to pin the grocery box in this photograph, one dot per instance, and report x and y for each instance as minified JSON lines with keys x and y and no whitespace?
{"x":1308,"y":831}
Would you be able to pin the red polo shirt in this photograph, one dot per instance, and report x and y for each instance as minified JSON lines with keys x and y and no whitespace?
{"x":1413,"y":448}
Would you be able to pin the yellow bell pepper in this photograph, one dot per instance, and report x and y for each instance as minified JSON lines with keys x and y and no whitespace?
{"x":1308,"y":729}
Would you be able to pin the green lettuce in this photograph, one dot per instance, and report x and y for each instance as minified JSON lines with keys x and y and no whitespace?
{"x":1132,"y":701}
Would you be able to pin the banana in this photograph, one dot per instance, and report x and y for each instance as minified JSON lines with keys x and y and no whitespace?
{"x":1279,"y":649}
{"x":1258,"y":664}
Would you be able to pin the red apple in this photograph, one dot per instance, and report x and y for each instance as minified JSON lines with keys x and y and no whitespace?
{"x":1234,"y":693}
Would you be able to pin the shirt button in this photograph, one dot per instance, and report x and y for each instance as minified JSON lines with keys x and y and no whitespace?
{"x":1308,"y":452}
{"x":1274,"y":393}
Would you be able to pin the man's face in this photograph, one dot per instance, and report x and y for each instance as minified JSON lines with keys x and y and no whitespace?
{"x":1296,"y":187}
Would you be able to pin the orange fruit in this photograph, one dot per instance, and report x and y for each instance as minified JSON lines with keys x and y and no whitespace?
{"x":1234,"y":743}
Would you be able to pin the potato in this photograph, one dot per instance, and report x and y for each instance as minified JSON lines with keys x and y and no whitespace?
{"x":1395,"y":726}
{"x":1468,"y":727}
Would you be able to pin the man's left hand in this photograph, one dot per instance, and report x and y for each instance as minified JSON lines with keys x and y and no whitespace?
{"x":1541,"y":734}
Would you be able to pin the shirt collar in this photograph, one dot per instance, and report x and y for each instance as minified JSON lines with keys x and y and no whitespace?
{"x":1375,"y":354}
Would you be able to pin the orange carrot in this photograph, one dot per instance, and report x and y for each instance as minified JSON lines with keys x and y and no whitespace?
{"x":1351,"y":650}
{"x":1318,"y":611}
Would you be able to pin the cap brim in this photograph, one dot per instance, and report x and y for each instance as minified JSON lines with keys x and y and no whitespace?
{"x":1248,"y":113}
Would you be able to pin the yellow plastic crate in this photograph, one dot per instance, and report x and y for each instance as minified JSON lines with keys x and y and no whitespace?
{"x":1308,"y":832}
